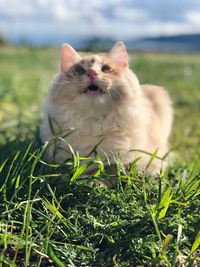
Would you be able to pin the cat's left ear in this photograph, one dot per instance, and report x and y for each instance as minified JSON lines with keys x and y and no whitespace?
{"x":119,"y":55}
{"x":69,"y":57}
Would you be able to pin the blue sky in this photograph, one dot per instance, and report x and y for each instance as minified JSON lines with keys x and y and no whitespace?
{"x":48,"y":20}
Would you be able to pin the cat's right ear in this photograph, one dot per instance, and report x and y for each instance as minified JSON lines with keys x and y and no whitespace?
{"x":69,"y":57}
{"x":119,"y":54}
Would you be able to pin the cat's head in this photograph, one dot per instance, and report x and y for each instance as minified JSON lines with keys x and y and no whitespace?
{"x":97,"y":78}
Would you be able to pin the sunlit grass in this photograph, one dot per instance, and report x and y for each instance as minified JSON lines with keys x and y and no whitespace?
{"x":54,"y":215}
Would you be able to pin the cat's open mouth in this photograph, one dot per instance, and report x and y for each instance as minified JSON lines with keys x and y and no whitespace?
{"x":93,"y":90}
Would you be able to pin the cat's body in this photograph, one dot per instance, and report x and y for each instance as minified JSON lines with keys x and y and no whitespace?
{"x":102,"y":100}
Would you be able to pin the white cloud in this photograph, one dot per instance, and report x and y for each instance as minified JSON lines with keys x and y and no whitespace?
{"x":167,"y":28}
{"x":129,"y":14}
{"x":113,"y":18}
{"x":61,"y":12}
{"x":16,"y":8}
{"x":193,"y":17}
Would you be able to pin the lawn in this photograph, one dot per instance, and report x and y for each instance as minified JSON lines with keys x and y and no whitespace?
{"x":141,"y":221}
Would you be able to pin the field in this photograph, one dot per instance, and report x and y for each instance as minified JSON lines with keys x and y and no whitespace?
{"x":140,"y":221}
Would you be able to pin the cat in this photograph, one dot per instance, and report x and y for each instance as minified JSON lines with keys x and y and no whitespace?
{"x":97,"y":99}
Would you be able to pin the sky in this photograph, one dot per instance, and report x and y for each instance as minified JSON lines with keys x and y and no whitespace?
{"x":52,"y":20}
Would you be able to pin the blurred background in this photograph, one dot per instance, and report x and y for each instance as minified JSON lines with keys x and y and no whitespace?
{"x":162,"y":25}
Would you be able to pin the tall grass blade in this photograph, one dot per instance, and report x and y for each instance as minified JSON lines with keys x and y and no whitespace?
{"x":53,"y":256}
{"x":196,"y":244}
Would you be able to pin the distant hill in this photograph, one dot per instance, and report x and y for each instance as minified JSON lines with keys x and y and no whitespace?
{"x":189,"y":43}
{"x":3,"y":40}
{"x":177,"y":43}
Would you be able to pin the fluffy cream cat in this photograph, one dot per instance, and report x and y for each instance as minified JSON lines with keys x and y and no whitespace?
{"x":99,"y":99}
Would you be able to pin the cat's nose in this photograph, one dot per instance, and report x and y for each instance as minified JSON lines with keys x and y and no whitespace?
{"x":92,"y":74}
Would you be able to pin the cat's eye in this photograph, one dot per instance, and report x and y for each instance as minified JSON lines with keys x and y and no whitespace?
{"x":79,"y":70}
{"x":106,"y":68}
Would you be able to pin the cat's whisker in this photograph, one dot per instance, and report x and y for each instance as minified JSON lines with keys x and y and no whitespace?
{"x":117,"y":93}
{"x":58,"y":83}
{"x":109,"y":94}
{"x":70,"y":73}
{"x":103,"y":89}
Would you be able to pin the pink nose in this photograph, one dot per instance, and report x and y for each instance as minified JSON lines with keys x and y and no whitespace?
{"x":91,"y":74}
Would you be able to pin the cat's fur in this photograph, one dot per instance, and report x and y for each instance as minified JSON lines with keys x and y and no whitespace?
{"x":125,"y":116}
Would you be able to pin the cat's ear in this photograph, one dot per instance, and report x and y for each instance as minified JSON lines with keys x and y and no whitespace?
{"x":69,"y":57}
{"x":119,"y":55}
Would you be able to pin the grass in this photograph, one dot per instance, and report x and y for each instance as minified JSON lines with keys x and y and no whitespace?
{"x":46,"y":220}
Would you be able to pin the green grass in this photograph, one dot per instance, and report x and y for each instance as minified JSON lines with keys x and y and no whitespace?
{"x":46,"y":220}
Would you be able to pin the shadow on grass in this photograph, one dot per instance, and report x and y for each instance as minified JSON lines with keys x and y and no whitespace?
{"x":9,"y":150}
